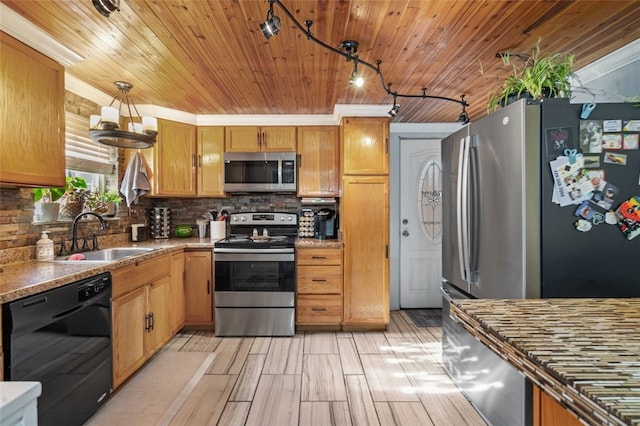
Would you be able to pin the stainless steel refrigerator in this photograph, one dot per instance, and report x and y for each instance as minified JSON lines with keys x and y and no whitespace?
{"x":505,"y":237}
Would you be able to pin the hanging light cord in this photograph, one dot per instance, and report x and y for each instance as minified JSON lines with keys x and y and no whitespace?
{"x":352,"y":56}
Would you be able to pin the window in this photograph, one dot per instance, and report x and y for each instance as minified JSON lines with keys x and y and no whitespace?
{"x":82,"y":153}
{"x":94,"y":162}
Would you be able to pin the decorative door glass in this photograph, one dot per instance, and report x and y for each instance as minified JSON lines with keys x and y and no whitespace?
{"x":430,"y":201}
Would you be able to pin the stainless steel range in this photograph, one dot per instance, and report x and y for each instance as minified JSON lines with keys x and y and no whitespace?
{"x":255,"y":275}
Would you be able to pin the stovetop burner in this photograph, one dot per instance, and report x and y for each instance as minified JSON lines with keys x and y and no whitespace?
{"x":260,"y":230}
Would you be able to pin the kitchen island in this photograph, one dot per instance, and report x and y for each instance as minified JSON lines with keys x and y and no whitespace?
{"x":583,"y":353}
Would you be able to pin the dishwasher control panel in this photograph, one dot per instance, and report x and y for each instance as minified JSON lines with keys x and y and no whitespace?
{"x":93,"y":287}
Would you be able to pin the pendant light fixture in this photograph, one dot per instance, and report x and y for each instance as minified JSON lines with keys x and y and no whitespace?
{"x":105,"y":128}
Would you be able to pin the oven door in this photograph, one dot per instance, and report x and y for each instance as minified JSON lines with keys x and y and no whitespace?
{"x":261,"y":277}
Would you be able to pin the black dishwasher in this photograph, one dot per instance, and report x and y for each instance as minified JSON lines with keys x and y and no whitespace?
{"x":62,"y":339}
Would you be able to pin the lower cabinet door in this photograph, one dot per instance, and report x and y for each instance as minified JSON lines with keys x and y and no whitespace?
{"x":158,"y":311}
{"x":198,"y":288}
{"x":129,"y":329}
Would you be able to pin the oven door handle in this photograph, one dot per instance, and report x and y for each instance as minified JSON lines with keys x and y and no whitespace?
{"x":247,"y":250}
{"x":255,"y":256}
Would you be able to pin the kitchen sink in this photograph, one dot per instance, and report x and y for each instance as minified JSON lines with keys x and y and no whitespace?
{"x":106,"y":255}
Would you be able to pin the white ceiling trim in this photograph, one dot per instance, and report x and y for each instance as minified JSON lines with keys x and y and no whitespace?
{"x":609,"y":63}
{"x":18,"y":27}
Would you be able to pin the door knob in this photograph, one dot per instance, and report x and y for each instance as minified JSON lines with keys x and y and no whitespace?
{"x":405,"y":221}
{"x":405,"y":233}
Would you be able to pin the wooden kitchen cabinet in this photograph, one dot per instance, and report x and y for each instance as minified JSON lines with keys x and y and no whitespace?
{"x":365,"y":146}
{"x":32,"y":129}
{"x":198,"y":283}
{"x":318,"y":161}
{"x":210,"y":164}
{"x":171,"y":163}
{"x":186,"y":161}
{"x":319,"y":288}
{"x":364,"y":221}
{"x":140,"y":314}
{"x":548,"y":412}
{"x":258,"y":139}
{"x":176,"y":292}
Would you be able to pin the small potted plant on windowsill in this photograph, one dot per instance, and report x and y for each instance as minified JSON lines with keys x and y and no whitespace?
{"x":74,"y":197}
{"x":542,"y":75}
{"x":103,"y":203}
{"x":49,"y":208}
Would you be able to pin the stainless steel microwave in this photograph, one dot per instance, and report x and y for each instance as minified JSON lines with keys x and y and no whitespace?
{"x":260,"y":172}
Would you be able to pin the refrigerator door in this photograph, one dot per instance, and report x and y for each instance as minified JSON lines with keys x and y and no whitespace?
{"x":499,"y":392}
{"x":497,"y":203}
{"x":453,"y":254}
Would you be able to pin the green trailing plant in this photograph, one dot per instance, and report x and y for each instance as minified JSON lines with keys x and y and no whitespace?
{"x":98,"y":201}
{"x":541,"y":75}
{"x":50,"y":195}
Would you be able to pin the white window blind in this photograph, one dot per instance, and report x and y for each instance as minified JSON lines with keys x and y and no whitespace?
{"x":84,"y":154}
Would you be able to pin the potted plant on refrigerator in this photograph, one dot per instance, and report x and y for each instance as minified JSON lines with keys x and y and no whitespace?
{"x":541,"y":75}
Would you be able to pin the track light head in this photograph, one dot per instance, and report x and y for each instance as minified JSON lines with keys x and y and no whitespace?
{"x":395,"y":110}
{"x":271,"y":26}
{"x":356,"y":79}
{"x":463,"y":117}
{"x":105,"y":7}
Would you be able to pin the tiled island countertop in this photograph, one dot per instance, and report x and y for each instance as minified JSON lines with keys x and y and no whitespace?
{"x":585,"y":353}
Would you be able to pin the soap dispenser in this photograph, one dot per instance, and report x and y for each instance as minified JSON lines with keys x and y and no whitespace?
{"x":44,"y":247}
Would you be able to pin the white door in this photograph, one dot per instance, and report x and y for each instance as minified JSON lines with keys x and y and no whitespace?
{"x":421,"y":223}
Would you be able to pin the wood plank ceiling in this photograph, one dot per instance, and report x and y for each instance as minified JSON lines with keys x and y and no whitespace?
{"x":210,"y":57}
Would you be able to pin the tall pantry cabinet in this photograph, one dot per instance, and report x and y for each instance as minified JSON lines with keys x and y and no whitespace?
{"x":364,"y":222}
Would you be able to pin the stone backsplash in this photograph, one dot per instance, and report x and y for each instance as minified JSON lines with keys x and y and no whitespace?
{"x":19,"y":234}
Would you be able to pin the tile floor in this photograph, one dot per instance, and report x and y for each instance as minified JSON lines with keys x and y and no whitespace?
{"x":313,"y":378}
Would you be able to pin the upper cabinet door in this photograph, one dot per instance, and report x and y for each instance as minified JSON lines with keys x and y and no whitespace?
{"x":175,"y":159}
{"x":32,"y":122}
{"x":257,"y":139}
{"x":242,"y":139}
{"x":365,"y":146}
{"x":319,"y":162}
{"x":278,"y":138}
{"x":210,"y":161}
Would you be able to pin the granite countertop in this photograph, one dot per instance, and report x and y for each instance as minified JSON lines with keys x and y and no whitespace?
{"x":27,"y":278}
{"x":585,"y":353}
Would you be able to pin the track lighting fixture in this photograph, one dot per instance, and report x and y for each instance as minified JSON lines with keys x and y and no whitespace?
{"x":349,"y":49}
{"x":271,"y":26}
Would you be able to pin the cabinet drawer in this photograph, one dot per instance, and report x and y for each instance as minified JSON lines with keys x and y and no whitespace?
{"x":330,"y":256}
{"x":133,"y":276}
{"x":319,"y":309}
{"x":320,"y":279}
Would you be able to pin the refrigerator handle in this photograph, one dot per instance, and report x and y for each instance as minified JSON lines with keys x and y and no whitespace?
{"x":462,"y":210}
{"x":475,"y":209}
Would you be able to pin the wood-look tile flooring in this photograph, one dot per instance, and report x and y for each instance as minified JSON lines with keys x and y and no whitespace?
{"x":313,"y":378}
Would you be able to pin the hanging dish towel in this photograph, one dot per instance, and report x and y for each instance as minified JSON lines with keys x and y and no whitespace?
{"x":135,"y":182}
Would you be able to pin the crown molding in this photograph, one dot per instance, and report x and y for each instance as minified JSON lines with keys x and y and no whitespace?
{"x":609,"y":63}
{"x":19,"y":28}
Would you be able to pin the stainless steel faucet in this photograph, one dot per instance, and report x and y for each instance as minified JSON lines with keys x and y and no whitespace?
{"x":74,"y":231}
